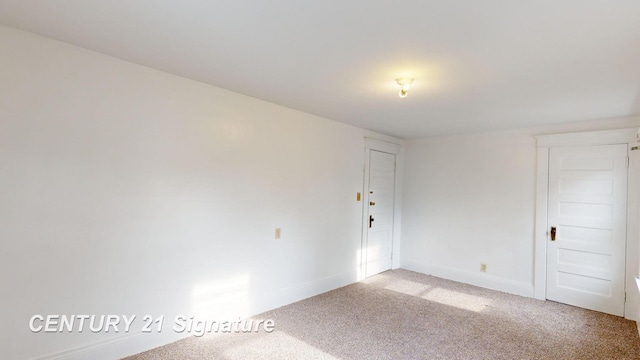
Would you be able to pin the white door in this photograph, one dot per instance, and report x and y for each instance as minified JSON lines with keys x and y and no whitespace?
{"x":587,"y":227}
{"x":379,"y":241}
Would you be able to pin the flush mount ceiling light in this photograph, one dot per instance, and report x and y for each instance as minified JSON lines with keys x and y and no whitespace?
{"x":405,"y":84}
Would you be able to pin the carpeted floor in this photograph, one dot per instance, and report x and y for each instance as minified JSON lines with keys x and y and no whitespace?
{"x":405,"y":315}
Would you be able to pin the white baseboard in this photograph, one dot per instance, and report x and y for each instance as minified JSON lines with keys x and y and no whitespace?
{"x":477,"y":279}
{"x":118,"y":347}
{"x":270,"y":300}
{"x":135,"y":343}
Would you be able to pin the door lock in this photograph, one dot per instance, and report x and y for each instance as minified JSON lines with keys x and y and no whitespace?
{"x":553,"y":233}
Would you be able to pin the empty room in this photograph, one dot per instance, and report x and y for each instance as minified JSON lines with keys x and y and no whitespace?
{"x":319,"y":180}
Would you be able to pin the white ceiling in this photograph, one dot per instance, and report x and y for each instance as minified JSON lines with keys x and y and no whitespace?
{"x":478,"y":65}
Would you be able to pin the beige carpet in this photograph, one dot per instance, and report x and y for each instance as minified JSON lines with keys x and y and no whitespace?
{"x":404,"y":315}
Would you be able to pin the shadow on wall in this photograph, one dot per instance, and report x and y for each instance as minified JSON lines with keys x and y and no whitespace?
{"x":635,"y":106}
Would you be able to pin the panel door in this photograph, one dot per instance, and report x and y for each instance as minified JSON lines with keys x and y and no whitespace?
{"x":587,"y":227}
{"x":381,"y":200}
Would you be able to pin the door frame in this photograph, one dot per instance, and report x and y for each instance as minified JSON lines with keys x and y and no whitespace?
{"x":590,"y":138}
{"x":390,"y":148}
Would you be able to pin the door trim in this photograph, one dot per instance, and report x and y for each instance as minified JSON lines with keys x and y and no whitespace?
{"x":606,"y":137}
{"x":395,"y":149}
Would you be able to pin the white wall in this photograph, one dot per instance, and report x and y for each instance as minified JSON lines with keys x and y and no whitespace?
{"x":125,"y":190}
{"x":470,"y":199}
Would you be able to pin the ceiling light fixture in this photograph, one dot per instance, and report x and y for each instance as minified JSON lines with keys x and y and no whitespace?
{"x":405,"y":84}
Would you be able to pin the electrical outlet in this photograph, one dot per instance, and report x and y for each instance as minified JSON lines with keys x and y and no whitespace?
{"x":483,"y":267}
{"x":277,"y":233}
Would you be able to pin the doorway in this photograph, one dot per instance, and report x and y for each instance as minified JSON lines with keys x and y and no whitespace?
{"x":587,"y":218}
{"x":582,"y":225}
{"x":379,"y":204}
